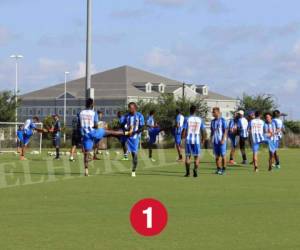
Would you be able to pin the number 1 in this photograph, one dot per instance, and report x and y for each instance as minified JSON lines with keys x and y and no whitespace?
{"x":148,"y":212}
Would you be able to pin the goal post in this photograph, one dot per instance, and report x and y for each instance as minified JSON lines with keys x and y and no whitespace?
{"x":8,"y":138}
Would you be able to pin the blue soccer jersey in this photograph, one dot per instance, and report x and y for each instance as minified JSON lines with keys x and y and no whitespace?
{"x":179,"y":124}
{"x":90,"y":135}
{"x":279,"y":128}
{"x":150,"y":121}
{"x":256,"y":128}
{"x":134,"y":122}
{"x":242,"y":126}
{"x":218,"y":129}
{"x":270,"y":135}
{"x":29,"y":127}
{"x":88,"y":120}
{"x":193,"y":126}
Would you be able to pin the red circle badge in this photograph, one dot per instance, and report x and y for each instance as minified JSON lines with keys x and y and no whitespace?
{"x":149,"y":217}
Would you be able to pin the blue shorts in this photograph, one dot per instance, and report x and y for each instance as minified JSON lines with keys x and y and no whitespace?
{"x":192,"y":149}
{"x":153,"y":133}
{"x":233,"y":140}
{"x":177,"y":139}
{"x":133,"y":144}
{"x":277,"y":144}
{"x":20,"y":136}
{"x":271,"y":145}
{"x":255,"y":147}
{"x":220,"y":149}
{"x":89,"y":139}
{"x":26,"y":137}
{"x":56,"y":141}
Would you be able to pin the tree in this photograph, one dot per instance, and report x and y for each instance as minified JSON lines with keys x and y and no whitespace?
{"x":262,"y":102}
{"x":165,"y":107}
{"x":7,"y":106}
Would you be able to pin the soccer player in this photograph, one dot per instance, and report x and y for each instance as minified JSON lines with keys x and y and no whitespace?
{"x":194,"y":133}
{"x":242,"y":127}
{"x":218,"y":130}
{"x":91,"y":134}
{"x":20,"y":133}
{"x":270,"y":131}
{"x":29,"y":128}
{"x":179,"y":120}
{"x":153,"y":131}
{"x":232,"y":135}
{"x":278,"y":135}
{"x":56,"y":132}
{"x":76,"y":136}
{"x":256,"y":130}
{"x":134,"y":124}
{"x":123,"y":139}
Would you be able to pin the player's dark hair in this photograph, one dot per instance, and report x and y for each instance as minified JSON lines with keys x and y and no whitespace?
{"x":152,"y":112}
{"x":132,"y":103}
{"x":178,"y":111}
{"x":276,"y":113}
{"x":216,"y":109}
{"x":89,"y":103}
{"x":193,"y":109}
{"x":257,"y":113}
{"x":99,"y":112}
{"x":35,"y":118}
{"x":119,"y":112}
{"x":268,"y":113}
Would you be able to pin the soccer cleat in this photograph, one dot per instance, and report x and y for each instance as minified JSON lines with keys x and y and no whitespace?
{"x":220,"y":171}
{"x":244,"y":162}
{"x":124,"y":159}
{"x":277,"y":166}
{"x":153,"y":160}
{"x":195,"y":174}
{"x":187,"y":175}
{"x":95,"y":158}
{"x":22,"y":158}
{"x":256,"y":170}
{"x":72,"y":159}
{"x":133,"y":174}
{"x":232,"y":162}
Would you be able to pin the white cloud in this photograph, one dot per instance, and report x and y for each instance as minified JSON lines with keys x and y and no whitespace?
{"x":158,"y":57}
{"x":80,"y":71}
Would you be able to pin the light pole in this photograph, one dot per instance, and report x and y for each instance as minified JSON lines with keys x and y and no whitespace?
{"x":16,"y":57}
{"x":65,"y":103}
{"x":88,"y":91}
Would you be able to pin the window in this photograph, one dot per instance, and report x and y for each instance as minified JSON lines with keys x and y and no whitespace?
{"x":205,"y":90}
{"x":148,"y":87}
{"x":161,"y":88}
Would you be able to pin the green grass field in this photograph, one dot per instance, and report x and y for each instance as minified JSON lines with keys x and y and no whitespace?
{"x":47,"y":204}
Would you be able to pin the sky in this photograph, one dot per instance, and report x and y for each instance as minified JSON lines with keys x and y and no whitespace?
{"x":233,"y":46}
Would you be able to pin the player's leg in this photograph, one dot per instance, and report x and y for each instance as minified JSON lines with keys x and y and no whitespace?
{"x":255,"y":148}
{"x":72,"y":152}
{"x":271,"y":157}
{"x":87,"y":148}
{"x":188,"y":152}
{"x":223,"y":157}
{"x":125,"y":153}
{"x":232,"y":151}
{"x":276,"y":155}
{"x":243,"y":149}
{"x":56,"y":144}
{"x":196,"y":165}
{"x":96,"y":151}
{"x":134,"y":163}
{"x":178,"y":147}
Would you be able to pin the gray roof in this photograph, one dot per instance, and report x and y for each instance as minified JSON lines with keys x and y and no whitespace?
{"x":117,"y":83}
